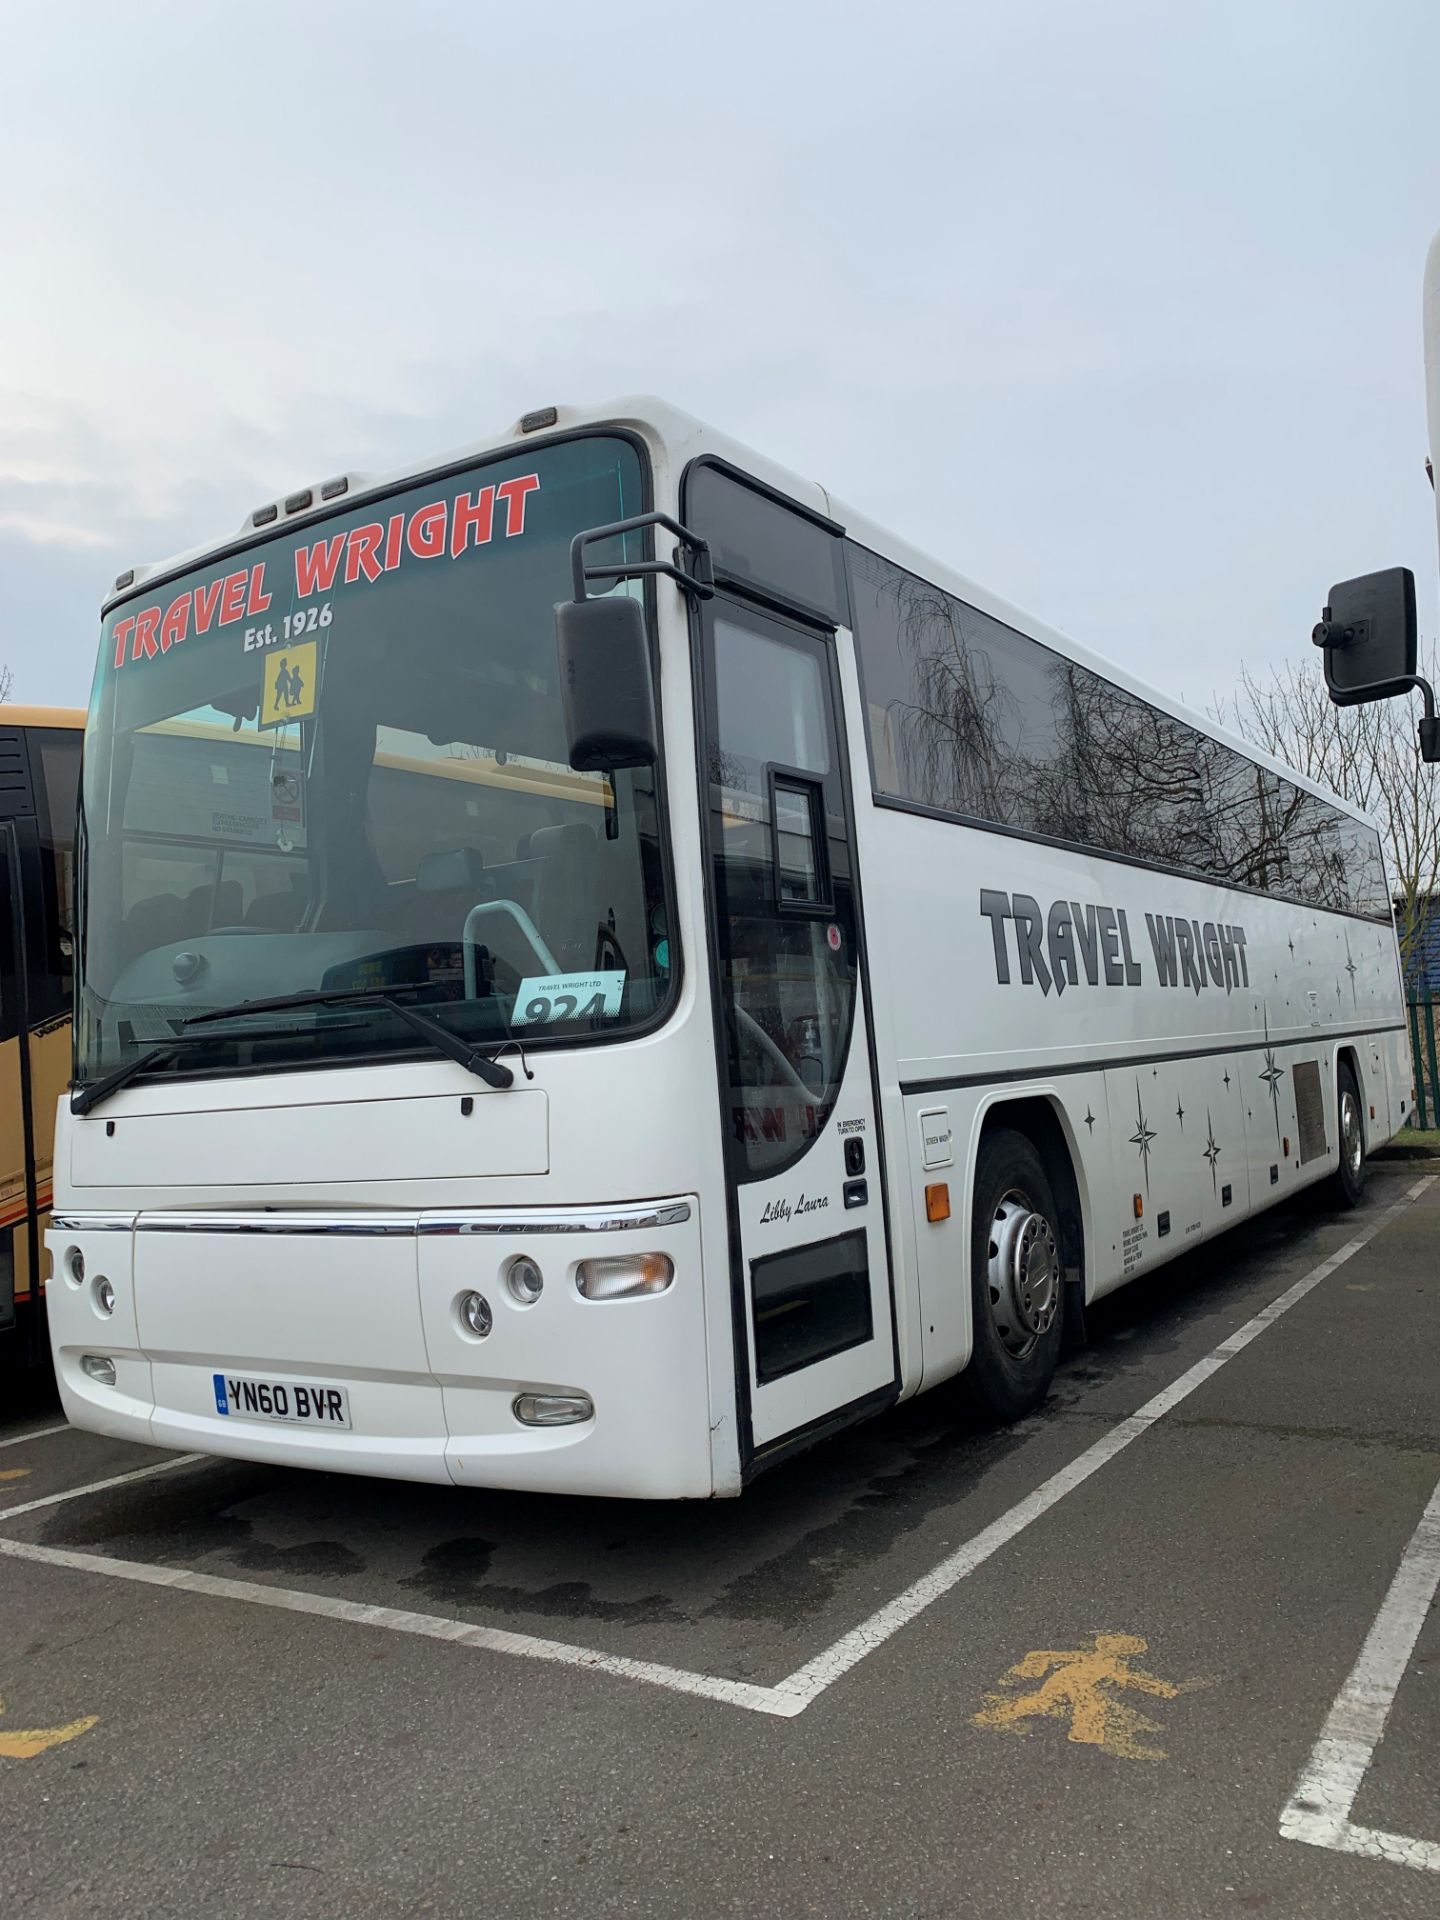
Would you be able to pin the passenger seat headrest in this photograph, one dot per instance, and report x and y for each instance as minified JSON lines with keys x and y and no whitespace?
{"x":546,"y":841}
{"x":461,"y":869}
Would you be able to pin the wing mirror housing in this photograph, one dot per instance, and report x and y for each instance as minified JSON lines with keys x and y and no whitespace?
{"x":607,"y":680}
{"x":1369,"y":636}
{"x":607,"y":686}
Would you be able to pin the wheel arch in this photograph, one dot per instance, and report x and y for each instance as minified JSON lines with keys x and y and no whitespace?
{"x":1348,"y":1055}
{"x":1042,"y":1118}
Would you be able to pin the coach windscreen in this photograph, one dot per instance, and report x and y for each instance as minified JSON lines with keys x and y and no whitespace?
{"x":335,"y":760}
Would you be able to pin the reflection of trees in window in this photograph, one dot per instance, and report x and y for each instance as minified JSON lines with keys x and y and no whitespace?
{"x":1128,"y":777}
{"x":949,"y":738}
{"x":985,"y":722}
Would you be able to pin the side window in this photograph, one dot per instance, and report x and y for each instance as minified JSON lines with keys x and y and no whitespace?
{"x":1365,"y":870}
{"x":786,"y":920}
{"x":967,"y":716}
{"x":55,"y":761}
{"x":758,"y":542}
{"x":8,"y":1022}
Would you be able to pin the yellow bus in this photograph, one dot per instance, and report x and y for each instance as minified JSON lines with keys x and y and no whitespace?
{"x":39,"y":782}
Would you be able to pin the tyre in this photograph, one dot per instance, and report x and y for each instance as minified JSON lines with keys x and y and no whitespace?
{"x":1349,"y":1181}
{"x":1017,"y":1280}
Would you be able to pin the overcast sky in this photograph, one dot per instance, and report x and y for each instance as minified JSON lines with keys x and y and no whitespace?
{"x":1116,"y":308}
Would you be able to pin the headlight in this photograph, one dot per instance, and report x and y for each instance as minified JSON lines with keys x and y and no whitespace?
{"x":476,"y":1315}
{"x":97,"y":1366}
{"x":624,"y":1276}
{"x":524,"y":1279}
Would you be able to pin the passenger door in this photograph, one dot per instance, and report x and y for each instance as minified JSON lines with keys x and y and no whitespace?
{"x":814,"y":1322}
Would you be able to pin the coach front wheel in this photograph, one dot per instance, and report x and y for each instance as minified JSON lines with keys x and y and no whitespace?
{"x":1017,"y":1280}
{"x":1350,"y":1175}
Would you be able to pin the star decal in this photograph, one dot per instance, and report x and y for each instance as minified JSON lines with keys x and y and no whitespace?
{"x":1272,"y":1076}
{"x":1351,"y":969}
{"x":1142,"y":1136}
{"x":1291,"y":945}
{"x":1227,"y":1079}
{"x":1180,"y":1115}
{"x":1212,"y":1151}
{"x":1089,"y":1118}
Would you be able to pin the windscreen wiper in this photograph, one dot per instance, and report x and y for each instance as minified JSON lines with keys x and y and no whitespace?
{"x":440,"y":1037}
{"x":89,"y":1093}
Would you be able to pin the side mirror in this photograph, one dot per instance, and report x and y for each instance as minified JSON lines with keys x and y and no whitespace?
{"x":1370,"y":637}
{"x":607,"y":689}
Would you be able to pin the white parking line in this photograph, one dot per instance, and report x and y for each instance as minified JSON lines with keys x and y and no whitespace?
{"x":431,"y":1626}
{"x":100,"y":1486}
{"x":787,"y":1697}
{"x":1319,"y":1809}
{"x":826,"y":1668}
{"x":35,"y":1433}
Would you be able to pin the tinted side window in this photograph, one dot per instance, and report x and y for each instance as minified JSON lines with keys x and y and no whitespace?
{"x":9,"y":1019}
{"x":55,"y":758}
{"x":966,"y":715}
{"x":772,"y":549}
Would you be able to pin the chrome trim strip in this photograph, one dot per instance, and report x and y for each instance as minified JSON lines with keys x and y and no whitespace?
{"x":559,"y":1220}
{"x":358,"y":1223}
{"x":288,"y":1221}
{"x":91,"y":1222}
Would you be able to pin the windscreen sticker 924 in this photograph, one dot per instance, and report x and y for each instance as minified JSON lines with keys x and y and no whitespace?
{"x":567,"y":996}
{"x":356,"y":556}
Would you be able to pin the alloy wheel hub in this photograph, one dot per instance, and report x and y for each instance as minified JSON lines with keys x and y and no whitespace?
{"x":1023,"y":1274}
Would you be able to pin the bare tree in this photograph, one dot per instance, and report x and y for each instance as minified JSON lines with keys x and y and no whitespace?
{"x":7,"y":680}
{"x":1369,"y":755}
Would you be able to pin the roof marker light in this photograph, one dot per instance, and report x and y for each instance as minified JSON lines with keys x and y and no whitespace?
{"x":541,"y":417}
{"x":295,"y":502}
{"x":126,"y":579}
{"x":262,"y":516}
{"x":332,"y":489}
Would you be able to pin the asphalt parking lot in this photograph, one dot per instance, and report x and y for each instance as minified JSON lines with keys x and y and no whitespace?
{"x":1170,"y":1647}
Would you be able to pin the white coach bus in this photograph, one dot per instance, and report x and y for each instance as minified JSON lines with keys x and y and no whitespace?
{"x":599,"y":966}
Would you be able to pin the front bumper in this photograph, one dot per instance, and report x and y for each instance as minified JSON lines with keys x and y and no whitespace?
{"x":370,"y":1300}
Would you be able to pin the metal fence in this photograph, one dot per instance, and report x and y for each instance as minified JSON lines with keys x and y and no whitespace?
{"x":1422,"y":1056}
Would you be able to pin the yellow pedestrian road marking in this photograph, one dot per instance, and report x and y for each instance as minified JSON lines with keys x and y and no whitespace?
{"x":25,"y":1742}
{"x":14,"y":1473}
{"x":1081,"y":1686}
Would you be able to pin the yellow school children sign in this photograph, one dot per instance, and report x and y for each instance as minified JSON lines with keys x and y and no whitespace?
{"x":288,"y":688}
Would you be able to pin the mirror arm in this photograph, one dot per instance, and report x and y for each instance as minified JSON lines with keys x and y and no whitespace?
{"x":1429,"y":725}
{"x":700,"y":581}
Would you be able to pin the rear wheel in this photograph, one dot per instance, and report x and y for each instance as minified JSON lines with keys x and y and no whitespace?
{"x":1350,"y":1175}
{"x":1017,"y":1280}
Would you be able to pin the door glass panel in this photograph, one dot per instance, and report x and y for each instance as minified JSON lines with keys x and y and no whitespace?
{"x":797,"y":849}
{"x":787,"y":979}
